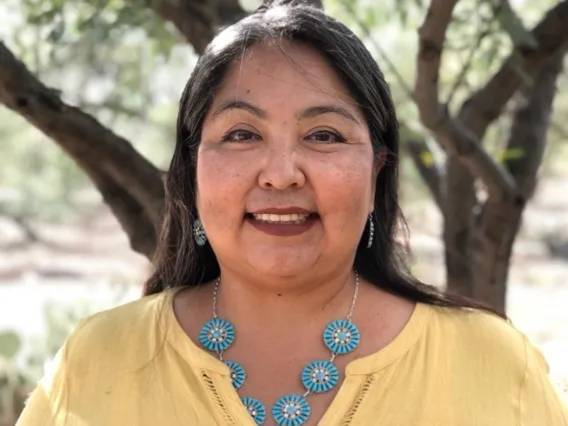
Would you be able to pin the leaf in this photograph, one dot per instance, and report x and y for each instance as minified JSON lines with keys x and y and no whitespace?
{"x":515,"y":153}
{"x":488,"y":57}
{"x":85,"y":24}
{"x":427,"y":158}
{"x":10,"y":344}
{"x":57,"y":32}
{"x":401,"y":8}
{"x":512,"y":24}
{"x":43,"y":18}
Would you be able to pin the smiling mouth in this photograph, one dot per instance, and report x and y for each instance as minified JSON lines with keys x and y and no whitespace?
{"x":281,"y":219}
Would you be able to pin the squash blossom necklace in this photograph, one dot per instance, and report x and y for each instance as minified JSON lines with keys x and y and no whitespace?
{"x":340,"y":337}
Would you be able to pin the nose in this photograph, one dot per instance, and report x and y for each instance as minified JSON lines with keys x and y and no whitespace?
{"x":281,"y":170}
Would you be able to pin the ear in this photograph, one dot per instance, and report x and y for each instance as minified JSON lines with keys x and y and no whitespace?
{"x":379,"y":162}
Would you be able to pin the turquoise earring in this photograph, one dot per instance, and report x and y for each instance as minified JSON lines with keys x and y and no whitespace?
{"x":199,"y":233}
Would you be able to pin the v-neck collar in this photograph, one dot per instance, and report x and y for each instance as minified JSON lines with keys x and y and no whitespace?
{"x":367,"y":365}
{"x":374,"y":362}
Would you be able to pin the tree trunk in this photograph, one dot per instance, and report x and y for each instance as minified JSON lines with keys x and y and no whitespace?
{"x":458,"y":226}
{"x":501,"y":219}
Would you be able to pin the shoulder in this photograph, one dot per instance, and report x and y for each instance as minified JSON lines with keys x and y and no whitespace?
{"x":465,"y":323}
{"x":129,"y":333}
{"x":127,"y":320}
{"x":487,"y":357}
{"x":480,"y":341}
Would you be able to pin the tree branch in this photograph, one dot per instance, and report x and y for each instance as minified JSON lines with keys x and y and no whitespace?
{"x":423,"y":159}
{"x":451,"y":134}
{"x":353,"y":15}
{"x":461,"y":78}
{"x":432,"y":36}
{"x":417,"y":148}
{"x":532,"y":119}
{"x":484,"y":106}
{"x":198,"y":21}
{"x":129,"y":183}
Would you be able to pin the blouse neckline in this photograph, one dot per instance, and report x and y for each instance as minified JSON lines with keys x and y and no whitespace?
{"x":368,"y":364}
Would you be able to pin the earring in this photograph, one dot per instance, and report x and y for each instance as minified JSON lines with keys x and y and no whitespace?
{"x":199,"y":233}
{"x":371,"y":231}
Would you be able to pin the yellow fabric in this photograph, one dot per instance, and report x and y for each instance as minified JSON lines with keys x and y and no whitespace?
{"x":134,"y":366}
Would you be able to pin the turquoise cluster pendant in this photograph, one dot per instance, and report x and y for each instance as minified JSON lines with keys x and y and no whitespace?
{"x":340,"y":337}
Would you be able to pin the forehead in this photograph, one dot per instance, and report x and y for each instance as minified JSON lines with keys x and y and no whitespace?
{"x":292,"y":72}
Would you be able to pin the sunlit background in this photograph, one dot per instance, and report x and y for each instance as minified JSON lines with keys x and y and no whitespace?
{"x":62,"y":253}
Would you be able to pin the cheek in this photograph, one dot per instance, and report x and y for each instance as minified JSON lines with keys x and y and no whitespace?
{"x":346,"y":190}
{"x":221,"y":187}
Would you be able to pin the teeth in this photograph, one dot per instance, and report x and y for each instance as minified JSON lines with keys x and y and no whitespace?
{"x":281,"y":218}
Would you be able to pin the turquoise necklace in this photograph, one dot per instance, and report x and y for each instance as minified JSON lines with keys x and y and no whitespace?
{"x":340,"y":336}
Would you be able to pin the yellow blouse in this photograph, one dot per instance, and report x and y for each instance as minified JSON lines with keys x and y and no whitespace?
{"x":134,"y":366}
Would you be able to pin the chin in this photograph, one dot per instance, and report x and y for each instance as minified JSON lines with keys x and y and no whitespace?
{"x":283,"y":263}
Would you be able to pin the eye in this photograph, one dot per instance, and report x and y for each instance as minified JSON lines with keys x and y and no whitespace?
{"x":326,"y":136}
{"x":240,"y":136}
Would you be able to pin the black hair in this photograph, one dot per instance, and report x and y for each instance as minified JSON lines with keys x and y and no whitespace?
{"x":179,"y":262}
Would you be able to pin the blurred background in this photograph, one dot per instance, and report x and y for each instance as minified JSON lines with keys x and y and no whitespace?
{"x":88,"y":102}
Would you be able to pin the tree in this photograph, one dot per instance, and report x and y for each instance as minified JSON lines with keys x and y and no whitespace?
{"x":482,"y":199}
{"x":479,"y":234}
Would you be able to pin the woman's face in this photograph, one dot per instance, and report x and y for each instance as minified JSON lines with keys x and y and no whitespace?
{"x":285,"y":169}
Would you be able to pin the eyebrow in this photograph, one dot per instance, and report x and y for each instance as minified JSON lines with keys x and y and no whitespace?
{"x":309,"y":112}
{"x":313,"y":111}
{"x":238,"y":104}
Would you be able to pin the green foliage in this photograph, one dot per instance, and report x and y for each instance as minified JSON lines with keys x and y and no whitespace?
{"x":11,"y":380}
{"x":39,"y":181}
{"x":59,"y":321}
{"x":373,"y":15}
{"x":481,"y":36}
{"x":112,"y":57}
{"x":93,"y":22}
{"x":40,"y":175}
{"x":106,"y":57}
{"x":9,"y":344}
{"x":515,"y":153}
{"x":102,"y":52}
{"x":513,"y":25}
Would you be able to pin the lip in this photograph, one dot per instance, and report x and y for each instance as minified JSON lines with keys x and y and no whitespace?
{"x":282,"y":210}
{"x":283,"y":230}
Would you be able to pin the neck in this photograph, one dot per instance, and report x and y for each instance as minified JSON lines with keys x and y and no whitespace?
{"x":251,"y":301}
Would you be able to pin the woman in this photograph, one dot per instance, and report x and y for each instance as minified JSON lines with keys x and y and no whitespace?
{"x":278,"y":296}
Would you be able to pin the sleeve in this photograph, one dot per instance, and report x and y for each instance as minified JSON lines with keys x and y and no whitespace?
{"x":541,"y":402}
{"x":48,"y":403}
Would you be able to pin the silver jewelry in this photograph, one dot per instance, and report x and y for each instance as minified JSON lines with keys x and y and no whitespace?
{"x":371,"y":231}
{"x":340,"y":336}
{"x":349,"y":313}
{"x":199,"y":233}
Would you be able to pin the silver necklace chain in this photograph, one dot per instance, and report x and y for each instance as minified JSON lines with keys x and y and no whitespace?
{"x":348,"y":317}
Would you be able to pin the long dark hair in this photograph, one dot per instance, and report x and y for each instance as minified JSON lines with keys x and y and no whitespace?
{"x":179,"y":261}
